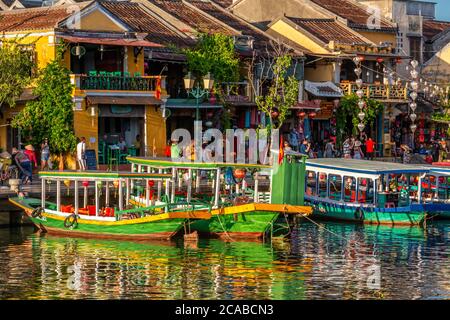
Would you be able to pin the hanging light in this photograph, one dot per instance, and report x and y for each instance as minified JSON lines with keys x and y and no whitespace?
{"x":360,"y":93}
{"x":413,"y":95}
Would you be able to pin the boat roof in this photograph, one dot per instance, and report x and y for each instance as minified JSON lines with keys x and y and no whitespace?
{"x":170,"y":163}
{"x":367,"y":167}
{"x":101,"y":175}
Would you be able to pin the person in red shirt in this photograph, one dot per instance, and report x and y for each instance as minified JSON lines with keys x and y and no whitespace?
{"x":370,"y":148}
{"x":29,"y":151}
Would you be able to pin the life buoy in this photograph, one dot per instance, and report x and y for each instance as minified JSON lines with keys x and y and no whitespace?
{"x":71,"y":221}
{"x":37,"y":213}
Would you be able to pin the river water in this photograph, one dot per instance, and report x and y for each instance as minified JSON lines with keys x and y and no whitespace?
{"x":319,"y":261}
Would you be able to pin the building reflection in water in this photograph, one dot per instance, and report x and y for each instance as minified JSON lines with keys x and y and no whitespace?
{"x":341,"y":262}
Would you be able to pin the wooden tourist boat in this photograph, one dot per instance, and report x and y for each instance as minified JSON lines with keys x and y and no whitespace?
{"x":119,"y":221}
{"x":245,"y":200}
{"x":373,"y":192}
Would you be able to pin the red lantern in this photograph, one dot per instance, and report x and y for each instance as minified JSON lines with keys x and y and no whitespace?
{"x":151,"y":183}
{"x":85,"y":184}
{"x":312,"y":115}
{"x":398,"y":60}
{"x":239,"y":173}
{"x":301,"y":114}
{"x":274,"y":114}
{"x":210,"y":114}
{"x":380,"y":60}
{"x":361,"y":58}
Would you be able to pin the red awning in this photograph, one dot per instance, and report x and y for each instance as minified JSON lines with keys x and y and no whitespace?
{"x":111,"y":41}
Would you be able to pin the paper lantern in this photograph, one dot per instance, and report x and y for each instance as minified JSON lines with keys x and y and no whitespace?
{"x":85,"y":184}
{"x":67,"y":183}
{"x":301,"y":114}
{"x":151,"y":183}
{"x":239,"y":173}
{"x":116,"y":183}
{"x":312,"y":115}
{"x":380,"y":60}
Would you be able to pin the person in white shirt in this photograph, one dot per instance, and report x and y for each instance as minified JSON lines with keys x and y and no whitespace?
{"x":81,"y":149}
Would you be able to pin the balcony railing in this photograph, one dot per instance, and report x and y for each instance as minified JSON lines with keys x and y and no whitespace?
{"x":125,"y":83}
{"x":377,"y":91}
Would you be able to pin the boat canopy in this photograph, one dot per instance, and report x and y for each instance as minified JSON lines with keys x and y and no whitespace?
{"x":362,"y":168}
{"x":100,"y":175}
{"x":169,"y":163}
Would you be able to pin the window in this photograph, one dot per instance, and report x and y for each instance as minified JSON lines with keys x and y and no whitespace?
{"x":365,"y":191}
{"x":415,"y":48}
{"x":335,"y":187}
{"x":349,"y":189}
{"x":310,"y":183}
{"x":322,"y":185}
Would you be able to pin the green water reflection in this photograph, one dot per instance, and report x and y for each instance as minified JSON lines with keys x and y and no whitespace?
{"x":314,"y":264}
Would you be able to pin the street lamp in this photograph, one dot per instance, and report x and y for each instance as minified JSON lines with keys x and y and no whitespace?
{"x":197,"y":92}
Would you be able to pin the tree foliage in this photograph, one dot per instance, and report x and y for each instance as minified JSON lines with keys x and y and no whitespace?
{"x":349,"y":107}
{"x":214,"y":53}
{"x":51,"y":114}
{"x":282,"y":93}
{"x":16,"y":66}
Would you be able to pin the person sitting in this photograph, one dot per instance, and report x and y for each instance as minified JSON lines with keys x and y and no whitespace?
{"x":137,"y":145}
{"x":122,"y":145}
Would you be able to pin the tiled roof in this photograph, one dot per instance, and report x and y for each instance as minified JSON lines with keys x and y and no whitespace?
{"x":432,"y":28}
{"x":224,"y":3}
{"x":42,"y":18}
{"x":329,"y":30}
{"x":260,"y":37}
{"x":192,"y":17}
{"x":355,"y":14}
{"x":140,"y":21}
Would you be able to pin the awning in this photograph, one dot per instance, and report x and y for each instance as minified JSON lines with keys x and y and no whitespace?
{"x":189,"y":104}
{"x":128,"y":100}
{"x":323,"y":89}
{"x":111,"y":41}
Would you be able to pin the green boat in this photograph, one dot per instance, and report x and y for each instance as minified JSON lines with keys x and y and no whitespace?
{"x":373,"y":192}
{"x":245,"y":199}
{"x":118,"y":221}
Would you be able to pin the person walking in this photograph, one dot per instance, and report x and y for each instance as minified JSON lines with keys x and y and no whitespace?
{"x":45,"y":154}
{"x":370,"y":148}
{"x":329,"y":149}
{"x":29,"y":151}
{"x":81,"y":156}
{"x":24,"y":164}
{"x":347,"y":148}
{"x":443,"y":150}
{"x":357,"y":152}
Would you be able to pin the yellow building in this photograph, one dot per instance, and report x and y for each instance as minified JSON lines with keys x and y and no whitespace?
{"x":113,"y":97}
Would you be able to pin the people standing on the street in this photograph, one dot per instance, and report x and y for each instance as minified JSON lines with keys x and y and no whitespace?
{"x":370,"y":148}
{"x":329,"y":149}
{"x":347,"y":147}
{"x":81,"y":154}
{"x":24,"y":164}
{"x":294,"y":136}
{"x":29,"y":151}
{"x":137,"y":145}
{"x":357,"y":152}
{"x":45,"y":154}
{"x":305,"y":148}
{"x":406,"y":153}
{"x":443,"y":150}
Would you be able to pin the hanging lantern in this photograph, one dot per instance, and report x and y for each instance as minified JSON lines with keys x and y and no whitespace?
{"x":361,"y":126}
{"x":361,"y":116}
{"x":360,"y":93}
{"x":239,"y":173}
{"x":359,"y":83}
{"x":312,"y":115}
{"x":361,"y":58}
{"x":380,"y":60}
{"x":413,"y":127}
{"x":414,"y":63}
{"x":67,"y":183}
{"x":85,"y":184}
{"x":398,"y":60}
{"x":413,"y":117}
{"x":151,"y":183}
{"x":301,"y":114}
{"x":275,"y":113}
{"x":116,"y":183}
{"x":208,"y":124}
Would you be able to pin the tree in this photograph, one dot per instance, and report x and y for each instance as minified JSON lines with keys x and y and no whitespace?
{"x":16,"y":67}
{"x":51,"y":114}
{"x":272,"y":69}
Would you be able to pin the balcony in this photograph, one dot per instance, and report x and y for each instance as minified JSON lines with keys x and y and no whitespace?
{"x":106,"y":82}
{"x":378,"y":91}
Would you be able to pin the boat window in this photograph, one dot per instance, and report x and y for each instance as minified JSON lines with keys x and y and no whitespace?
{"x":310,"y":183}
{"x":335,"y":187}
{"x":444,"y":188}
{"x":322,"y":185}
{"x":429,"y":191}
{"x":349,"y":189}
{"x":365,"y":192}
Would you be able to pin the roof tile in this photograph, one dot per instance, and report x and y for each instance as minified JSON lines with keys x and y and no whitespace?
{"x":431,"y":28}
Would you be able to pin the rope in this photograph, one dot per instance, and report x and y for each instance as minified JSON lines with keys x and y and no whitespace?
{"x":223,"y":228}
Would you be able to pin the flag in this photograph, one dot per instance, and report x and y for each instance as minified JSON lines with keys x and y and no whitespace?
{"x":281,"y":152}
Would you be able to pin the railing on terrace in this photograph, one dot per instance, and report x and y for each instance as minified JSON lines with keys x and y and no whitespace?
{"x":110,"y":82}
{"x":377,"y":91}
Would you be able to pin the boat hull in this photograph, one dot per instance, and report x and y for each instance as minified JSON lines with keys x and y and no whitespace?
{"x":136,"y":229}
{"x":407,"y":216}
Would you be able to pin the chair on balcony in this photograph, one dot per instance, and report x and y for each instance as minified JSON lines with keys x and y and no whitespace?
{"x":113,"y":157}
{"x":104,"y":80}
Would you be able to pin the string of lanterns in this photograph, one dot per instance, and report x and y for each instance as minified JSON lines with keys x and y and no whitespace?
{"x":360,"y":93}
{"x":415,"y":87}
